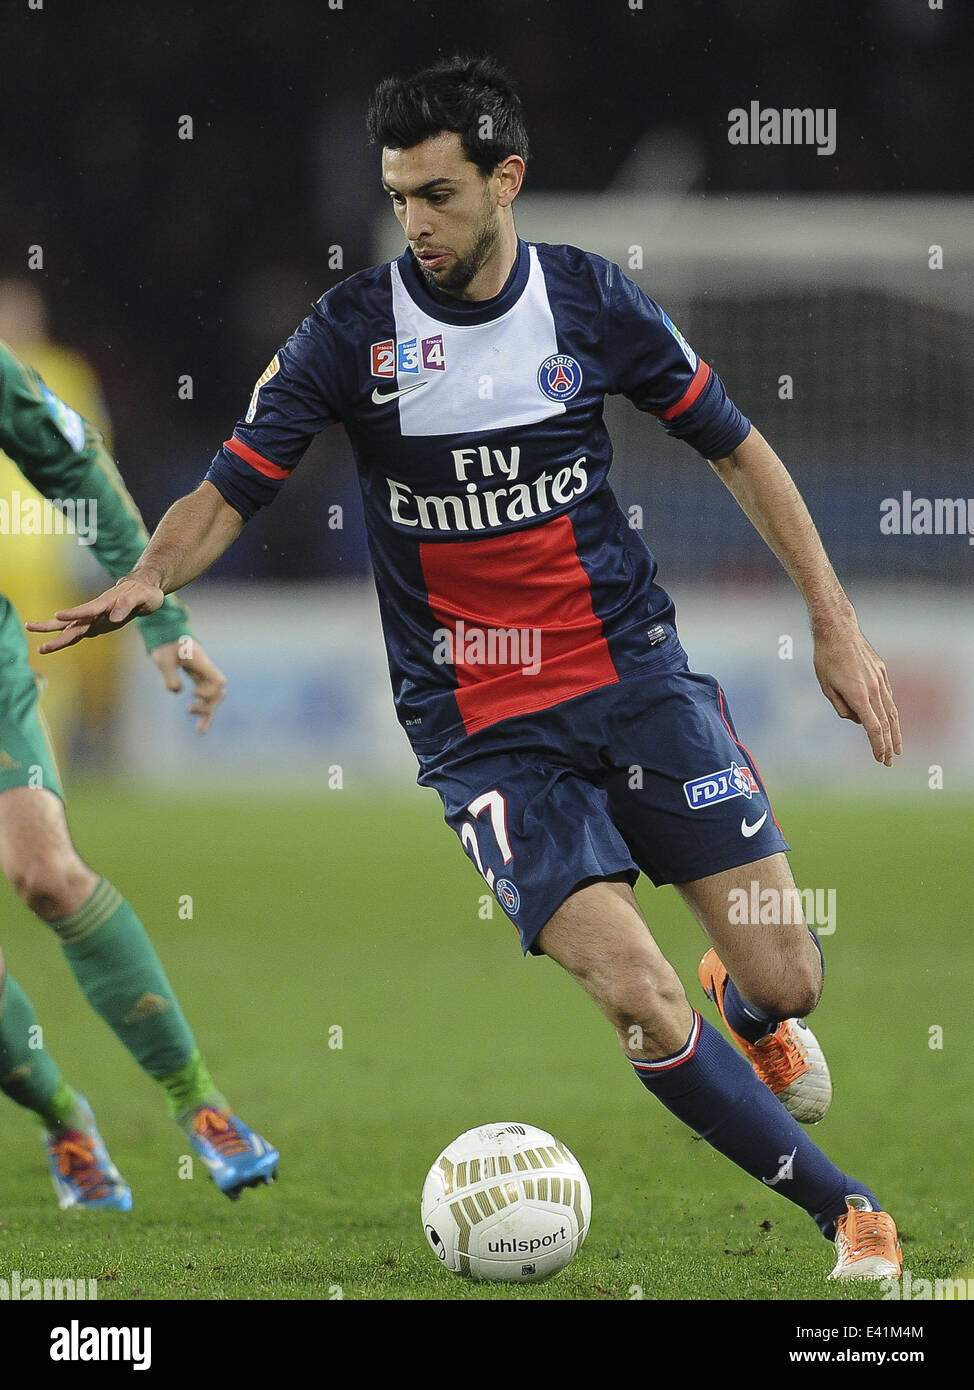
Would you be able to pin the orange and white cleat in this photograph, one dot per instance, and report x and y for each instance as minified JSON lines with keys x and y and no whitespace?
{"x":789,"y":1061}
{"x":866,"y":1243}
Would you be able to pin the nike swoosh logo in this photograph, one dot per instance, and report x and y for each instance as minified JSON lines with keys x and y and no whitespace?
{"x":380,"y":397}
{"x":748,"y":830}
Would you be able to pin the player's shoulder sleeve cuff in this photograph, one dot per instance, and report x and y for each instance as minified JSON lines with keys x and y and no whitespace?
{"x":705,"y":417}
{"x":264,"y":466}
{"x":244,"y":478}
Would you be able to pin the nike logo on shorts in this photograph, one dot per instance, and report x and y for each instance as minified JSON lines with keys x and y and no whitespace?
{"x":748,"y":830}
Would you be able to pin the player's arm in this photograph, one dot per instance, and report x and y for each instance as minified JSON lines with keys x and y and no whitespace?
{"x":850,"y":673}
{"x":652,"y":363}
{"x":288,"y":407}
{"x":65,"y":459}
{"x":192,"y":535}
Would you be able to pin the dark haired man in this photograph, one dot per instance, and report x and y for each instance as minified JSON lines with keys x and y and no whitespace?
{"x":535,"y":661}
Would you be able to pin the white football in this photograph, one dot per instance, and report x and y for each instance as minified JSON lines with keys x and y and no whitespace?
{"x":508,"y":1202}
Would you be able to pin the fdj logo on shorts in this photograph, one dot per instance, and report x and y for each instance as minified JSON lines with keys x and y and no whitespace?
{"x":721,"y":786}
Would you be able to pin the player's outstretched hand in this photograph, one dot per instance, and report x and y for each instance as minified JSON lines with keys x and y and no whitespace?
{"x":209,"y":681}
{"x":855,"y":681}
{"x":131,"y":597}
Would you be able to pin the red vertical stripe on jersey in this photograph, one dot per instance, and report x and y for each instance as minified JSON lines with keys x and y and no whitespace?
{"x":523,"y":600}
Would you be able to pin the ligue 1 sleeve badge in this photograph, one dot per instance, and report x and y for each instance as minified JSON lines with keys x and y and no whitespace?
{"x":559,"y":377}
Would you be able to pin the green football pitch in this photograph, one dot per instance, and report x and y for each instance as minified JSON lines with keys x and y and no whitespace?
{"x":360,"y":1010}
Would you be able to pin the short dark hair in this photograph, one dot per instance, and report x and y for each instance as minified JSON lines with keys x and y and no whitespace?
{"x":453,"y":95}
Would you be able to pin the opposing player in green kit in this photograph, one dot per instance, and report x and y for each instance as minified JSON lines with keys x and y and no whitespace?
{"x":102,"y":939}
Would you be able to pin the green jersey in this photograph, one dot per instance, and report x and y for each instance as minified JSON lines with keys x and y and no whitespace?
{"x":65,"y":459}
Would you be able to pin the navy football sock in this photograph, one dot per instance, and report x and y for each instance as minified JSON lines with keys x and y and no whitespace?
{"x":744,"y":1018}
{"x":710,"y":1087}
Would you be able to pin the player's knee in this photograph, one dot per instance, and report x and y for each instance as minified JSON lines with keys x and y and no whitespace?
{"x":53,"y":883}
{"x":806,"y":983}
{"x":642,"y":1004}
{"x":794,"y":995}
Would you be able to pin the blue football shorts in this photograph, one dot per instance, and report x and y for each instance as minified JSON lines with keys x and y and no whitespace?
{"x":646,"y":775}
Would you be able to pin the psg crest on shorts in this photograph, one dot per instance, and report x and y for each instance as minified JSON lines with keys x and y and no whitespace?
{"x":507,"y":895}
{"x":559,"y":377}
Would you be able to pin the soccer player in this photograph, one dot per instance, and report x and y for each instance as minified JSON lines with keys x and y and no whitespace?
{"x":535,"y":661}
{"x":101,"y":937}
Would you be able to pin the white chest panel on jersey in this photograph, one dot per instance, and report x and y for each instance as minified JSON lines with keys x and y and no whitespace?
{"x":488,"y":379}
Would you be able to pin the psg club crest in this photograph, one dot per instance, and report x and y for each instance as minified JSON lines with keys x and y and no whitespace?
{"x":559,"y":377}
{"x":507,"y":895}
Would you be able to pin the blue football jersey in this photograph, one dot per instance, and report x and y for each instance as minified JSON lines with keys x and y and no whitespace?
{"x":507,"y":575}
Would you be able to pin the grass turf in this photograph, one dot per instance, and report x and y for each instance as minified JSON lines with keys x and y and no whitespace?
{"x":318,"y":914}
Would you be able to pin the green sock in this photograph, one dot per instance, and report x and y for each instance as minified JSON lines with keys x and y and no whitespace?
{"x":122,"y":978}
{"x":29,"y":1074}
{"x":189,"y":1089}
{"x":63,"y":1110}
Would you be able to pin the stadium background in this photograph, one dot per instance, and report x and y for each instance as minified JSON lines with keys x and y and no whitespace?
{"x":168,"y":258}
{"x":165,"y":258}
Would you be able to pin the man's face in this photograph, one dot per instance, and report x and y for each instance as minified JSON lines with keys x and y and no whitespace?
{"x":446,"y":208}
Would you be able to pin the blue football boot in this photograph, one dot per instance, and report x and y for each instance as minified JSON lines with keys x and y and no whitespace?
{"x":234,"y":1154}
{"x":83,"y":1173}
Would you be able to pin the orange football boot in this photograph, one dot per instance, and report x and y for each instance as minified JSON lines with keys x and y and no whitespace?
{"x":789,"y":1061}
{"x":866,"y":1243}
